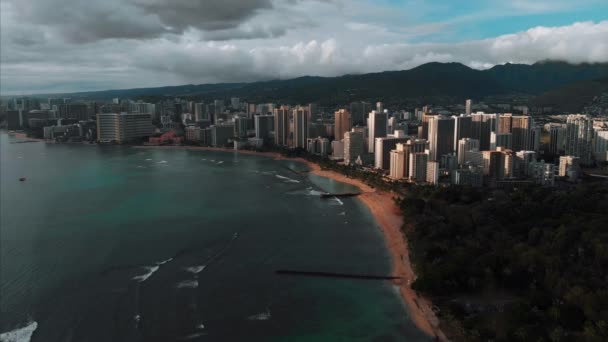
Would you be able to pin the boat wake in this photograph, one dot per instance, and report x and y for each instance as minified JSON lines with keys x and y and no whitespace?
{"x":23,"y":334}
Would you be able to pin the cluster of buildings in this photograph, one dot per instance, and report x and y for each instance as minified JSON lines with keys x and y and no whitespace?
{"x":424,"y":146}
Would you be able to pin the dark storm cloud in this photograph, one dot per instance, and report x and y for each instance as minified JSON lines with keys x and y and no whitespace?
{"x":206,"y":15}
{"x":80,"y":21}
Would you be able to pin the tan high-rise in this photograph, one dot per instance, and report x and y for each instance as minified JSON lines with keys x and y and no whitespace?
{"x":341,"y":123}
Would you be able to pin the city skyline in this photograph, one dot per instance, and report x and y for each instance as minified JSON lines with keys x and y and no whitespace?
{"x":67,"y":46}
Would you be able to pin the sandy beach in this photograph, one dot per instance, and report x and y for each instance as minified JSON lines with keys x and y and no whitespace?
{"x":389,"y":219}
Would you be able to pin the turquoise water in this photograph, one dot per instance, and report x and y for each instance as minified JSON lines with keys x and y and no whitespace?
{"x":125,"y":244}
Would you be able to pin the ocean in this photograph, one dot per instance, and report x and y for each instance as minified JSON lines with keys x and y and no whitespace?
{"x":125,"y":244}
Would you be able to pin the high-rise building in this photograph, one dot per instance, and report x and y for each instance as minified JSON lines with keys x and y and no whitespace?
{"x":379,"y":107}
{"x":341,"y":123}
{"x":263,"y":126}
{"x":235,"y":103}
{"x":481,"y":127}
{"x":282,"y":117}
{"x":74,"y":111}
{"x":377,"y":124}
{"x":579,"y":137}
{"x":200,"y":112}
{"x":462,"y":129}
{"x":600,"y":149}
{"x":471,"y":176}
{"x":123,"y":127}
{"x":542,"y":173}
{"x":432,"y":172}
{"x":384,"y":146}
{"x":504,"y":123}
{"x":465,"y":145}
{"x":221,"y":134}
{"x":358,"y":113}
{"x":500,"y":140}
{"x":241,"y":125}
{"x":441,"y":137}
{"x":354,"y":146}
{"x":467,"y":106}
{"x":557,"y":139}
{"x":569,"y":166}
{"x":424,"y":127}
{"x":337,"y":149}
{"x":400,"y":162}
{"x":523,"y":159}
{"x":521,"y":128}
{"x":318,"y":146}
{"x":301,"y":118}
{"x":418,"y":164}
{"x":498,"y":164}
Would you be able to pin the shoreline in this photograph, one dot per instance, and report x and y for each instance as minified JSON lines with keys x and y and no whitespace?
{"x":390,"y":220}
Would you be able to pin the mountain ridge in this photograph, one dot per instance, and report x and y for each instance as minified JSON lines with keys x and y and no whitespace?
{"x":434,"y":81}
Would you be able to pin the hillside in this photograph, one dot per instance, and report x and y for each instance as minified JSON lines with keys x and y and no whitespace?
{"x":432,"y":82}
{"x":573,"y":97}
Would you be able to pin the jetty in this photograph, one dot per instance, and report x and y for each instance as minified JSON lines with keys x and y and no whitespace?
{"x":336,"y":275}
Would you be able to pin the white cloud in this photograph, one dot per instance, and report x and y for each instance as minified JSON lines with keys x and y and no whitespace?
{"x":294,"y":38}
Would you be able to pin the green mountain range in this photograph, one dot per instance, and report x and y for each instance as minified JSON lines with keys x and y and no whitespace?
{"x":428,"y":83}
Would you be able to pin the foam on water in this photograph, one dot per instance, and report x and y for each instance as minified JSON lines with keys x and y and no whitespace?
{"x":287,"y":179}
{"x":193,"y":336}
{"x":338,"y":201}
{"x":150,"y":271}
{"x":262,"y":316}
{"x":163,"y":162}
{"x":149,"y":159}
{"x":220,"y":162}
{"x":23,"y":334}
{"x":187,"y":284}
{"x":342,"y":213}
{"x":195,"y":269}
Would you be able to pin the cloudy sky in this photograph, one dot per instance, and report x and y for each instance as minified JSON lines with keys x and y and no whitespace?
{"x":79,"y":45}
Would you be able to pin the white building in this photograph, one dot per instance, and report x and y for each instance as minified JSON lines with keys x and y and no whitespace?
{"x":123,"y":127}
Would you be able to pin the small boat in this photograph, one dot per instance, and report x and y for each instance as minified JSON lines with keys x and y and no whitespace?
{"x":22,"y":179}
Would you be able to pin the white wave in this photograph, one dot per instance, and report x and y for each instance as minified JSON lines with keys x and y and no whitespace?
{"x":164,"y":261}
{"x":19,"y":157}
{"x":315,"y":193}
{"x":262,"y":316}
{"x":342,"y":213}
{"x":200,"y":326}
{"x":150,"y":271}
{"x":220,"y":162}
{"x":141,"y":167}
{"x":23,"y":334}
{"x":149,"y":159}
{"x":338,"y":201}
{"x":195,"y":269}
{"x":193,"y":336}
{"x":187,"y":284}
{"x":287,"y":179}
{"x":213,"y":160}
{"x":163,"y":162}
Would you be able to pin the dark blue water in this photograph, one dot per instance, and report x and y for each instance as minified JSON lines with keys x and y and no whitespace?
{"x":125,"y":244}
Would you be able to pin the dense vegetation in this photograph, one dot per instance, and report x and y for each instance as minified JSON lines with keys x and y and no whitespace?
{"x":437,"y":83}
{"x":530,"y":265}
